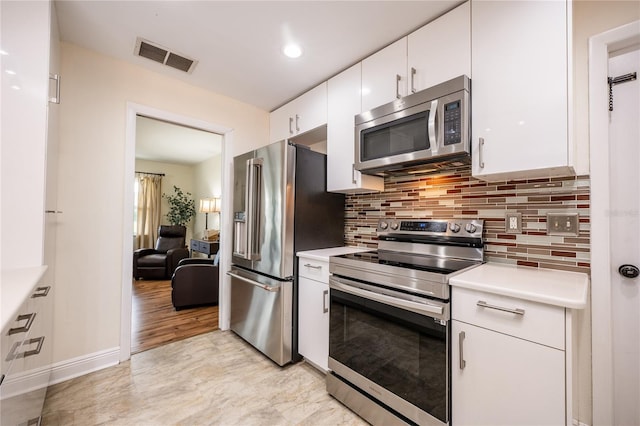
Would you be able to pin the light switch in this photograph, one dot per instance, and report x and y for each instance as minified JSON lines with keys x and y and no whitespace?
{"x":513,"y":223}
{"x":566,"y":224}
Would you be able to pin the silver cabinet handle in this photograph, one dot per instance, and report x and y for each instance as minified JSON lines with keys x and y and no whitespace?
{"x":254,"y":283}
{"x":461,"y":337}
{"x":41,"y":292}
{"x":27,"y":325}
{"x":56,"y":78}
{"x":308,"y":265}
{"x":29,"y":318}
{"x":52,"y":211}
{"x":325,"y":308}
{"x":297,"y":124}
{"x":291,"y":125}
{"x":354,"y":180}
{"x":480,"y":159}
{"x":484,"y":304}
{"x":14,"y":355}
{"x":413,"y":75}
{"x":398,"y":78}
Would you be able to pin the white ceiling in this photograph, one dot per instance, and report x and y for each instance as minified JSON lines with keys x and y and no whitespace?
{"x":170,"y":143}
{"x":238,"y":43}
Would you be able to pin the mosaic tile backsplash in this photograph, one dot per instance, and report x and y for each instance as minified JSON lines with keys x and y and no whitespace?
{"x":455,"y":194}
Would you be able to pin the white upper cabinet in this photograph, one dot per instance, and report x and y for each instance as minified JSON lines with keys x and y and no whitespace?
{"x":305,"y":113}
{"x":384,"y":75}
{"x":520,"y":89}
{"x":437,"y":52}
{"x":441,"y":50}
{"x":25,"y":35}
{"x":344,"y":103}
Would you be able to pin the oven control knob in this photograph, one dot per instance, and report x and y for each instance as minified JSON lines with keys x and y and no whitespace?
{"x":454,"y":227}
{"x":394,"y":225}
{"x":384,"y":225}
{"x":470,"y":228}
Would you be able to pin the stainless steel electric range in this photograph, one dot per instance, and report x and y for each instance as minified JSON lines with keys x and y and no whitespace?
{"x":389,"y":320}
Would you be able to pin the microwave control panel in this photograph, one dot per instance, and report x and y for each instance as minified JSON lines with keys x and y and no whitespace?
{"x":452,"y":123}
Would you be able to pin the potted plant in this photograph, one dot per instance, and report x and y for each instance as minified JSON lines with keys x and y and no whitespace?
{"x":181,"y":207}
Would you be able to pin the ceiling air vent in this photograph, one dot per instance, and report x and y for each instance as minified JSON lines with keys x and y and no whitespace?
{"x":159,"y":54}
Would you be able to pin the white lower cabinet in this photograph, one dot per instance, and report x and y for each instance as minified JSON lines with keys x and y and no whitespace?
{"x":499,"y":375}
{"x":313,"y":311}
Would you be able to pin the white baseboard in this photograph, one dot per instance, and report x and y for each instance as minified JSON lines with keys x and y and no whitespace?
{"x":38,"y":378}
{"x":76,"y":367}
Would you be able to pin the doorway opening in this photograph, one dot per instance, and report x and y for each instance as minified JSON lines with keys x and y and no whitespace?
{"x":615,"y":217}
{"x":169,"y":155}
{"x":134,"y":111}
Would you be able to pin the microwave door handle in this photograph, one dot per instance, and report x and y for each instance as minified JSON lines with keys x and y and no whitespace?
{"x":433,"y":136}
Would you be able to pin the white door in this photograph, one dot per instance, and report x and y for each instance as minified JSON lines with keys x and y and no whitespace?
{"x":624,"y":138}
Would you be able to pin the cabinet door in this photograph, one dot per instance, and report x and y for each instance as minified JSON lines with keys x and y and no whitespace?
{"x":310,"y":109}
{"x":519,"y":101}
{"x":344,"y":102}
{"x":281,"y":123}
{"x":25,"y":34}
{"x":505,"y":380}
{"x":313,"y":321}
{"x":380,"y":74}
{"x":441,"y":50}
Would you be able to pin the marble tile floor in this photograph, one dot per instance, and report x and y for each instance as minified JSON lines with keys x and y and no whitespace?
{"x":212,"y":379}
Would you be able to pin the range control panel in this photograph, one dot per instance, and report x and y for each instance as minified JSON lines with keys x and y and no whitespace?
{"x":448,"y":227}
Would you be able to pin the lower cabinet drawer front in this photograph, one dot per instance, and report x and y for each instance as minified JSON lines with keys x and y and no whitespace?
{"x":314,"y":269}
{"x":536,"y":322}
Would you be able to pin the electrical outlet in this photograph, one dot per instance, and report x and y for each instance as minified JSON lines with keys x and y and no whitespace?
{"x":513,"y":223}
{"x":563,"y":224}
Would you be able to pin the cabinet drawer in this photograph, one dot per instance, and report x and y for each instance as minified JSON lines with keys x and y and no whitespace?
{"x":315,"y":269}
{"x":536,"y":322}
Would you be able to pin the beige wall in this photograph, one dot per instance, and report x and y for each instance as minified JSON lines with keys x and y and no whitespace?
{"x":95,"y":92}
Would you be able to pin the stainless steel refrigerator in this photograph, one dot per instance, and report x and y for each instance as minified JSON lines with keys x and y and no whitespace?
{"x":280,"y":207}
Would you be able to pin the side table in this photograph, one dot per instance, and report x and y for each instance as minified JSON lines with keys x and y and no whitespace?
{"x":204,"y":246}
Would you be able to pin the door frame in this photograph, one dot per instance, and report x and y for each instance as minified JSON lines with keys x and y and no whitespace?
{"x":133,"y":110}
{"x":602,"y":344}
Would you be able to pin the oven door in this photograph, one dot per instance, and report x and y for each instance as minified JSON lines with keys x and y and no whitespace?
{"x":392,"y":347}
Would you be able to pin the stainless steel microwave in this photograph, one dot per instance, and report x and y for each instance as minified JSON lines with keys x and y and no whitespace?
{"x":427,"y":130}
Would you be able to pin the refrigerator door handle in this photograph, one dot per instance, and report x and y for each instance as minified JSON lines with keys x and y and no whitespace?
{"x":254,"y":283}
{"x":253,"y":201}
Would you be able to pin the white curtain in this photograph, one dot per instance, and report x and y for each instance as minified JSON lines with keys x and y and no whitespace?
{"x":148,"y":209}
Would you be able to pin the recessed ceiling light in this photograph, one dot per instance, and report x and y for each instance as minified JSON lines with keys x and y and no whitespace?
{"x":3,"y":52}
{"x":15,"y":87}
{"x":10,"y":72}
{"x":292,"y":51}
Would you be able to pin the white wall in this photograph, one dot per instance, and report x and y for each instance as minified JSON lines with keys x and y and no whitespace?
{"x":95,"y":93}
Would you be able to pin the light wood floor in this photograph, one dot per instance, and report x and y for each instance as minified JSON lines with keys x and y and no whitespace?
{"x":213,"y":379}
{"x":154,"y":321}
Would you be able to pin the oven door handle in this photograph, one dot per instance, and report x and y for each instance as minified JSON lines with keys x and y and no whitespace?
{"x":420,"y":308}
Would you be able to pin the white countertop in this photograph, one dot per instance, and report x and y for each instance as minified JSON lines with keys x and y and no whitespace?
{"x":15,"y":286}
{"x":560,"y":288}
{"x":324,"y":254}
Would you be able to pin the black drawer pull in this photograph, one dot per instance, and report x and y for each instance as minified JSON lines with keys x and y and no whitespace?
{"x":25,"y":327}
{"x":13,"y":355}
{"x":41,"y":292}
